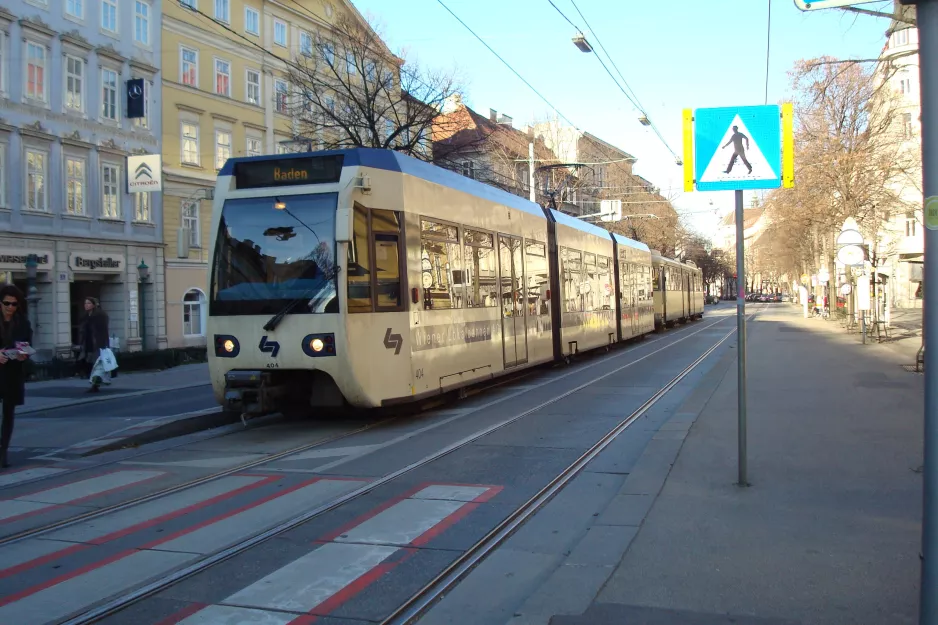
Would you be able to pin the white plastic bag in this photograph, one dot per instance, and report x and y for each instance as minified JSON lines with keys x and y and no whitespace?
{"x":98,"y":371}
{"x":107,"y":359}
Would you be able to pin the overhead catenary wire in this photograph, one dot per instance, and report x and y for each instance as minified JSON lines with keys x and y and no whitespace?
{"x":626,"y":90}
{"x":508,"y":65}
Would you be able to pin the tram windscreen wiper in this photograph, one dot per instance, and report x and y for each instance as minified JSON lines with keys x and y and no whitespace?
{"x":274,"y":321}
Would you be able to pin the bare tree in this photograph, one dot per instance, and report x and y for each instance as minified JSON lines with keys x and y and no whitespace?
{"x":349,"y":90}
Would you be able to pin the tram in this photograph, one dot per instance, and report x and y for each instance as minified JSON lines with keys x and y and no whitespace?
{"x":366,"y":277}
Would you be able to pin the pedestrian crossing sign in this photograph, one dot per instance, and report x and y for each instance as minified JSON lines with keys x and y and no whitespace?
{"x":740,"y":147}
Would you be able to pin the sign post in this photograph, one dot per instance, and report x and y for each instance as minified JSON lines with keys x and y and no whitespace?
{"x":736,"y":149}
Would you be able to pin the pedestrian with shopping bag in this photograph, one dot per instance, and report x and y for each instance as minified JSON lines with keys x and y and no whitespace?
{"x":93,"y":338}
{"x":16,"y":334}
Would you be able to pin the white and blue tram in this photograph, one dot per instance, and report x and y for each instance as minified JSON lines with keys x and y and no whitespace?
{"x":366,"y":277}
{"x":679,"y":293}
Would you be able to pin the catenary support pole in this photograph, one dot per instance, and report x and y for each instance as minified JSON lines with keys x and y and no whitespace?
{"x":531,"y":184}
{"x":928,"y":71}
{"x":741,"y":336}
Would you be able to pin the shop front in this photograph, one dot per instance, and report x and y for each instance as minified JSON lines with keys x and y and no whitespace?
{"x":67,"y":271}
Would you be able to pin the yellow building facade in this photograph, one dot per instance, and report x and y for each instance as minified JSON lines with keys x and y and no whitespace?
{"x":222,"y":97}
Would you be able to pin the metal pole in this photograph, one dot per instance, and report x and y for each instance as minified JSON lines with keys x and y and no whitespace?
{"x":928,"y":72}
{"x":741,"y":337}
{"x":531,"y":170}
{"x":143,"y":316}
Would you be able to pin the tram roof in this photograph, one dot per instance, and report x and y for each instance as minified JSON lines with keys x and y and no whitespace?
{"x":621,"y":240}
{"x":579,"y":224}
{"x":398,"y":162}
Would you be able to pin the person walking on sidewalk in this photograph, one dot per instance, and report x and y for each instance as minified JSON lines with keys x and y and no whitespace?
{"x":92,"y":336}
{"x":14,"y":328}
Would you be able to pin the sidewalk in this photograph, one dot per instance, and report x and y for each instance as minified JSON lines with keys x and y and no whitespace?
{"x":828,"y":532}
{"x":73,"y":391}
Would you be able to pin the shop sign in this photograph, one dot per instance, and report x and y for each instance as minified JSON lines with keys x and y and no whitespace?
{"x":144,"y":173}
{"x":14,"y":259}
{"x":93,"y":262}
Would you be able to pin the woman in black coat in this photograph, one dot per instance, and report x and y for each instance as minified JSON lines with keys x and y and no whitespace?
{"x":14,"y":328}
{"x":93,"y":336}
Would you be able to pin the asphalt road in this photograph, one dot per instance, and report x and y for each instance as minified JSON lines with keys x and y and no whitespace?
{"x":418,"y":508}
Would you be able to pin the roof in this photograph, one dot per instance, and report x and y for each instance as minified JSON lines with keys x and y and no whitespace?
{"x":621,"y":240}
{"x":608,"y":145}
{"x":390,"y":160}
{"x":579,"y":224}
{"x":750,"y":217}
{"x":464,"y":127}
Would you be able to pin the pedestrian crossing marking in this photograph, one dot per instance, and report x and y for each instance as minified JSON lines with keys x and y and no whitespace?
{"x":726,"y":157}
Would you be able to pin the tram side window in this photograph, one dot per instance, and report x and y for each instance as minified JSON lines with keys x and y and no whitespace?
{"x":538,"y":278}
{"x":386,"y":227}
{"x":359,"y":264}
{"x":572,"y":273}
{"x":481,"y":276}
{"x":593,"y":299}
{"x":374,"y":261}
{"x":606,"y":280}
{"x":439,"y":265}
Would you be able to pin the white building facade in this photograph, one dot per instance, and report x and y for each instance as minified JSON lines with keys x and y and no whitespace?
{"x":64,"y":142}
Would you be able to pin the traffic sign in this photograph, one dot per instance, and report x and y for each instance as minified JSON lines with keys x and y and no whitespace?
{"x":816,"y":5}
{"x":738,"y":148}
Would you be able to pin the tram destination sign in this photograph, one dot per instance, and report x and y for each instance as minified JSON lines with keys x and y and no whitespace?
{"x":284,"y":172}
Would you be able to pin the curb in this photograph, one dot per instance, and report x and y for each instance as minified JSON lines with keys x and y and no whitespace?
{"x":203,"y":420}
{"x":93,"y":400}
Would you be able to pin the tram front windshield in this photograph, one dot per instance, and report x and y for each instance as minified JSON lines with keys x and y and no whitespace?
{"x":272,"y":251}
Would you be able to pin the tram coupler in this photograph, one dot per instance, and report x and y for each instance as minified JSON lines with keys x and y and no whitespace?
{"x":252,"y":393}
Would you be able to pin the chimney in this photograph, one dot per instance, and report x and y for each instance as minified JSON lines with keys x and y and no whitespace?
{"x":493,"y":115}
{"x":504,"y":120}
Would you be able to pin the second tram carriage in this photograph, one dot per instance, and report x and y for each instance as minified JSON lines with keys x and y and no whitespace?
{"x":367,"y":277}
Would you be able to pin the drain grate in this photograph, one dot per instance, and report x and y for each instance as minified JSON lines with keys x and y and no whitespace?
{"x":911,"y":369}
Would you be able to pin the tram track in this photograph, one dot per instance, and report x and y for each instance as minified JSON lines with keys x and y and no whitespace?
{"x":123,"y":601}
{"x":282,"y":455}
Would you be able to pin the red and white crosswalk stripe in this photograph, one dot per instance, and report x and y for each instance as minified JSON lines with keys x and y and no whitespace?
{"x":357,"y":555}
{"x":71,"y":493}
{"x":68,"y":593}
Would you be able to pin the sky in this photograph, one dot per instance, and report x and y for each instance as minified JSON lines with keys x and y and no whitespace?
{"x":675,"y":54}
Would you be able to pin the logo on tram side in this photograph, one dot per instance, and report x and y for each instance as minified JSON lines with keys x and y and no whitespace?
{"x":393,"y":341}
{"x":269,"y":346}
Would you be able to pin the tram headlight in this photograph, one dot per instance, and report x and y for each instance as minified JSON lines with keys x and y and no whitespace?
{"x":226,"y":346}
{"x":319,"y":345}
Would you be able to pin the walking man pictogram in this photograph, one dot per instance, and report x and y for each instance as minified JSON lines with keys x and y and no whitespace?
{"x":737,"y":139}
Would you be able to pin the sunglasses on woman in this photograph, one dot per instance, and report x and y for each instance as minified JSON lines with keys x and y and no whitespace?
{"x":12,"y":304}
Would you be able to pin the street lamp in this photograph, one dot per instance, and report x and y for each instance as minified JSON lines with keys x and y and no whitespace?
{"x":32,"y":293}
{"x":581,"y":43}
{"x":143,"y":272}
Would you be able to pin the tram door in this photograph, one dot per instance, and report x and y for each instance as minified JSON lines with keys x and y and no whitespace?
{"x":689,"y":280}
{"x":512,"y":291}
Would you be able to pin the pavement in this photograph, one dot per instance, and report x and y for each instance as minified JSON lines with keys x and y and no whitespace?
{"x":827,"y":532}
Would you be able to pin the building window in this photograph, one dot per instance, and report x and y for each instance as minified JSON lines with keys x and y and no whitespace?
{"x":192,"y":315}
{"x":110,"y":192}
{"x":252,"y":21}
{"x":350,"y":63}
{"x":142,"y":207}
{"x":141,"y":22}
{"x":190,"y":143}
{"x":143,"y":122}
{"x":901,"y":37}
{"x":371,"y":70}
{"x":192,"y":4}
{"x":253,"y":89}
{"x":388,"y":128}
{"x":280,"y":33}
{"x":36,"y":72}
{"x":75,"y":8}
{"x":190,"y":221}
{"x":910,"y":224}
{"x":253,"y":147}
{"x":36,"y":176}
{"x":223,"y":11}
{"x":306,"y":44}
{"x":222,"y":148}
{"x":74,"y":186}
{"x":468,"y":169}
{"x":190,"y":67}
{"x":328,"y":54}
{"x":109,"y":15}
{"x":282,"y":96}
{"x":3,"y":176}
{"x":109,"y":94}
{"x":907,"y":125}
{"x":222,"y":77}
{"x":74,"y":83}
